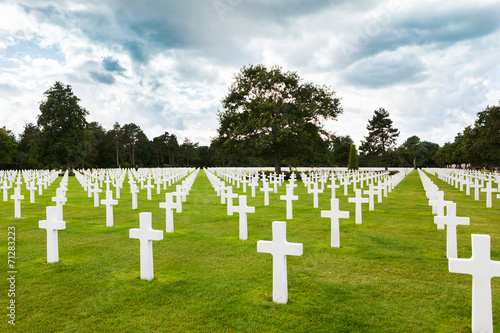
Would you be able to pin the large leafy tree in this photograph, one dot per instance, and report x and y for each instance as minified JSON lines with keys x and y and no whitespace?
{"x":486,"y":136}
{"x":63,"y":127}
{"x":381,"y":138}
{"x":271,"y":114}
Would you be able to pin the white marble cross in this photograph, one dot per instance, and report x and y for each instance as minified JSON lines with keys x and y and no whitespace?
{"x":109,"y":202}
{"x":17,"y":197}
{"x":489,"y":190}
{"x":335,"y":214}
{"x":5,"y":187}
{"x":170,"y":205}
{"x":52,"y":224}
{"x":230,"y":196}
{"x":266,"y":189}
{"x":289,"y":197}
{"x":254,"y":182}
{"x":315,"y":191}
{"x":32,"y":188}
{"x":482,"y":269}
{"x":60,"y":199}
{"x":134,"y":190}
{"x":333,"y":186}
{"x":96,"y":192}
{"x":146,"y":236}
{"x":476,"y":186}
{"x":358,"y":200}
{"x":280,"y":248}
{"x":149,"y":186}
{"x":243,"y":210}
{"x":371,"y":197}
{"x":451,"y":220}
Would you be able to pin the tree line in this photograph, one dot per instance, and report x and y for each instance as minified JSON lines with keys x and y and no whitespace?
{"x":269,"y":118}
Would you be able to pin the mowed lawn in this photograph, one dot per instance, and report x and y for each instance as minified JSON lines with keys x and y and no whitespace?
{"x":389,"y":275}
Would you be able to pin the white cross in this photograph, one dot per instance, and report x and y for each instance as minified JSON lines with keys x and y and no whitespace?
{"x":379,"y":188}
{"x":32,"y":189}
{"x":96,"y":192}
{"x":5,"y":187}
{"x":170,"y":205}
{"x":243,"y":210}
{"x":265,"y":188}
{"x":60,"y":200}
{"x":109,"y":202}
{"x":134,"y":190}
{"x":315,"y":191}
{"x":280,"y":248}
{"x":149,"y":186}
{"x":146,"y":236}
{"x":253,"y":184}
{"x":118,"y":186}
{"x":482,"y":269}
{"x":451,"y":220}
{"x":371,"y":200}
{"x":17,"y":197}
{"x":345,"y":182}
{"x":476,"y":186}
{"x":335,"y":214}
{"x":334,"y":186}
{"x":52,"y":224}
{"x":230,"y":196}
{"x":489,"y":190}
{"x":288,"y":198}
{"x":358,"y":200}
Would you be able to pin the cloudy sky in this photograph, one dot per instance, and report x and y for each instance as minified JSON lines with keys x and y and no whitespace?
{"x":165,"y":65}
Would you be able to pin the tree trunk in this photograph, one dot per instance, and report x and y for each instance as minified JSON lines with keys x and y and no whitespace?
{"x":277,"y":164}
{"x":414,"y":162}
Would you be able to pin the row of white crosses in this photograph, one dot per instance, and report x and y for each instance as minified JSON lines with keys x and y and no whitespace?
{"x":279,"y":247}
{"x":145,"y":233}
{"x":14,"y":177}
{"x":465,"y":180}
{"x":480,"y":266}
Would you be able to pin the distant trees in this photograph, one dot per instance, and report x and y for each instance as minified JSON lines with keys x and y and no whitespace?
{"x":477,"y":145}
{"x":414,"y":152}
{"x":269,"y":113}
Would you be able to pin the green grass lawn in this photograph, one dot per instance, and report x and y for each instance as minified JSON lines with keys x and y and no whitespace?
{"x":389,"y":275}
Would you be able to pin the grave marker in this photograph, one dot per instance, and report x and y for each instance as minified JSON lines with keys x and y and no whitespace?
{"x":52,"y":224}
{"x":109,"y":202}
{"x":451,"y":220}
{"x":289,"y":197}
{"x":280,"y":248}
{"x":335,"y":214}
{"x":146,"y":235}
{"x":170,"y":205}
{"x":482,"y":269}
{"x":17,"y":197}
{"x":358,"y":200}
{"x":243,"y":210}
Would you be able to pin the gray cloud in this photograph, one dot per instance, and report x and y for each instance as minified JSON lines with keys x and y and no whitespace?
{"x":102,"y":77}
{"x":385,"y":69}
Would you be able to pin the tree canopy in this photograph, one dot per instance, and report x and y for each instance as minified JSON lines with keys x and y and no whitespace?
{"x":381,"y":137}
{"x":269,"y":113}
{"x":63,"y":126}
